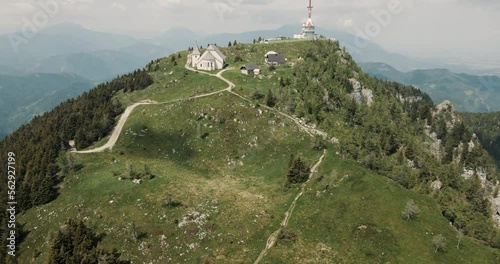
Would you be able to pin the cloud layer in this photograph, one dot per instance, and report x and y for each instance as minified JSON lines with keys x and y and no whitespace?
{"x":424,"y":26}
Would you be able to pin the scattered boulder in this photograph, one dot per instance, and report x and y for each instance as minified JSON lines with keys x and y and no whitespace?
{"x":137,"y":181}
{"x":436,"y":185}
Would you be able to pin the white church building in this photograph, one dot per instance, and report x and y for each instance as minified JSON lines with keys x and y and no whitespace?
{"x":212,"y":59}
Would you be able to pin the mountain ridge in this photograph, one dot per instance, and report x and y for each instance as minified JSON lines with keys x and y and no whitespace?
{"x":469,"y":93}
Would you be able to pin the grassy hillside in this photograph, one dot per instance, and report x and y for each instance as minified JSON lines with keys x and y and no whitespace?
{"x":231,"y":171}
{"x":467,"y":92}
{"x":214,"y":170}
{"x":350,"y":215}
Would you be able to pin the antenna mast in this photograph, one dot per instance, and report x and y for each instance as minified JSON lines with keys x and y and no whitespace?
{"x":310,"y":7}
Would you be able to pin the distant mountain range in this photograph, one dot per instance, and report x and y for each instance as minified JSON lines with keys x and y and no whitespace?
{"x":98,"y":56}
{"x":69,"y":48}
{"x":468,"y":93}
{"x":23,"y":97}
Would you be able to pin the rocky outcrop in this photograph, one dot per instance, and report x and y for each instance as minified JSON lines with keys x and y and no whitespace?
{"x":495,"y":208}
{"x":360,"y":94}
{"x":435,"y":145}
{"x":480,"y":172}
{"x":409,"y":99}
{"x":368,"y":96}
{"x":447,"y":110}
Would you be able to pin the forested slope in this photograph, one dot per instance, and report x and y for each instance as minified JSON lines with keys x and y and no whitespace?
{"x":487,"y":128}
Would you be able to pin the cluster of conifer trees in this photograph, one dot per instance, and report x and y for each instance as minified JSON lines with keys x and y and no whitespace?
{"x":487,"y":128}
{"x":77,"y":243}
{"x":38,"y":144}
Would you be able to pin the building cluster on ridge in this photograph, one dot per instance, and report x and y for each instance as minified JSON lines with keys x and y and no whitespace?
{"x":213,"y":59}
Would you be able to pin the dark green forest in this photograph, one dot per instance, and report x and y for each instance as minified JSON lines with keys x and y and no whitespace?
{"x":487,"y":128}
{"x":38,"y":144}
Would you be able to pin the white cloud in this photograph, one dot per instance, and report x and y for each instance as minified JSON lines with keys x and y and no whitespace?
{"x":118,"y":6}
{"x":429,"y":25}
{"x":166,"y":3}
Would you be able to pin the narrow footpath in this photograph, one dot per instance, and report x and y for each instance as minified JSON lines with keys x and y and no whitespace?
{"x":288,"y":214}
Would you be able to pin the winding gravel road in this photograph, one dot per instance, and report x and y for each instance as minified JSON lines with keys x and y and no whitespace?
{"x":123,"y":119}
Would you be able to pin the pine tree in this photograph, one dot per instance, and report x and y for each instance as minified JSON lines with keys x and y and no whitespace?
{"x":298,"y":172}
{"x":270,"y":99}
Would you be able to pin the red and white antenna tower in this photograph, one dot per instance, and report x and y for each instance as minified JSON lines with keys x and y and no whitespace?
{"x":310,"y":7}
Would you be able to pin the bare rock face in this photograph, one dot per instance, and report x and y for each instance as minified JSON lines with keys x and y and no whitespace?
{"x":412,"y":164}
{"x":495,"y":206}
{"x":356,"y":93}
{"x":480,"y":172}
{"x":446,"y":108}
{"x":467,"y":173}
{"x":409,"y":99}
{"x":368,"y":96}
{"x":435,"y":145}
{"x":471,"y":142}
{"x":360,"y":94}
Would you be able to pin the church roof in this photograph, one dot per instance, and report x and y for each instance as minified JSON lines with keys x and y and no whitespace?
{"x":207,"y":56}
{"x":196,"y":50}
{"x":212,"y":53}
{"x":216,"y":49}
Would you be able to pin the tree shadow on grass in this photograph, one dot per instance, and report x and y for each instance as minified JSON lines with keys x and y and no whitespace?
{"x":153,"y":145}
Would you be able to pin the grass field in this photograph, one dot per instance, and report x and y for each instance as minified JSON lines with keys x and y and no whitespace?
{"x":351,"y":215}
{"x":229,"y":182}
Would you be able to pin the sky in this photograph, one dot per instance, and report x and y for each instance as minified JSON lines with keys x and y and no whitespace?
{"x":453,"y":28}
